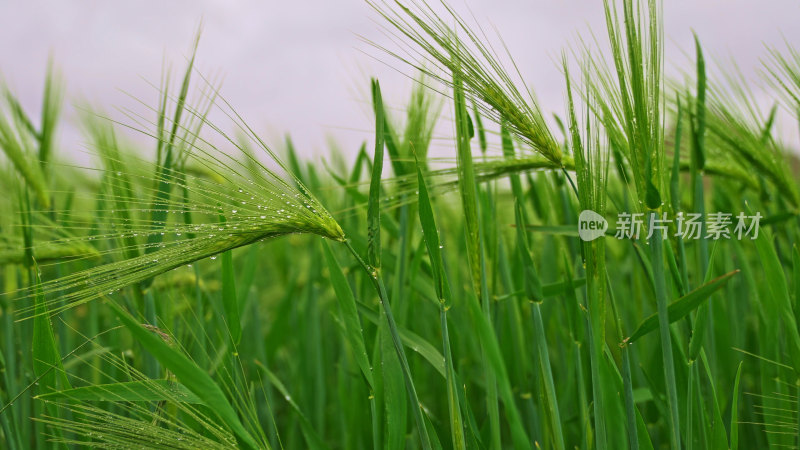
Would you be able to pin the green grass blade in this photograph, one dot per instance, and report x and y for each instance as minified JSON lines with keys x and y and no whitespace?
{"x":682,"y":306}
{"x":495,"y":360}
{"x":534,"y":295}
{"x":395,"y":401}
{"x":700,"y":109}
{"x":674,"y":180}
{"x":431,"y":236}
{"x":373,"y":208}
{"x":549,"y":390}
{"x":734,"y":440}
{"x":51,"y":108}
{"x":631,"y":412}
{"x":46,"y":357}
{"x":349,"y":312}
{"x":663,"y":320}
{"x":674,"y":271}
{"x":702,"y":319}
{"x":719,"y":441}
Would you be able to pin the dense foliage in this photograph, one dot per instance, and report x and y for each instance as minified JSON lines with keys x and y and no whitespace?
{"x":202,"y":293}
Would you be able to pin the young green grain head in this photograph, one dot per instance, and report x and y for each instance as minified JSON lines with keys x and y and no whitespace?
{"x":463,"y":53}
{"x":143,"y":233}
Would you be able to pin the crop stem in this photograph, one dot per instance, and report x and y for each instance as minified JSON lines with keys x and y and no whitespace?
{"x":377,"y":282}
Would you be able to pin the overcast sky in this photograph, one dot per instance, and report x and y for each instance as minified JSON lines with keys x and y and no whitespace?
{"x":299,"y":66}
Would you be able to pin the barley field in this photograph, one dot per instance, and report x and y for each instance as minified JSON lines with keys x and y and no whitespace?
{"x":621,"y":273}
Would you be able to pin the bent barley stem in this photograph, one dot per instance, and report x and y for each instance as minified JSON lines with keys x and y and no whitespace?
{"x":377,"y":282}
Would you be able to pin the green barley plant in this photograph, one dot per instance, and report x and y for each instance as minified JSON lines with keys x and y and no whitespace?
{"x":198,"y":287}
{"x":479,"y":71}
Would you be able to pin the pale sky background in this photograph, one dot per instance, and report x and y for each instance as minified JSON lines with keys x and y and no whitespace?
{"x":299,"y":67}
